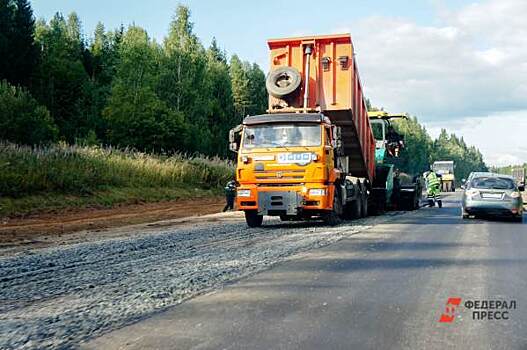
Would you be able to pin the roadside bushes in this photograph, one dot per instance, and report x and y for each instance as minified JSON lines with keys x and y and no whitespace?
{"x":22,"y":119}
{"x":82,"y":170}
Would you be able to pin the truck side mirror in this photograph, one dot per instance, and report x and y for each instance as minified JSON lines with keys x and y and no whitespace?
{"x":235,"y":138}
{"x":521,"y":188}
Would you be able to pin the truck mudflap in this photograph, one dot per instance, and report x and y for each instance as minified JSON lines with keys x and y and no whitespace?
{"x":284,"y":202}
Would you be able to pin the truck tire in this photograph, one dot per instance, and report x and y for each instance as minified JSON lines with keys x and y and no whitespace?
{"x":415,"y":204}
{"x":283,"y":81}
{"x":333,"y":217}
{"x":253,"y":219}
{"x":364,"y":205}
{"x":377,"y":204}
{"x":353,"y":210}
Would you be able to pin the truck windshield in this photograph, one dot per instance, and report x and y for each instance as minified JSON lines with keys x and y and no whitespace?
{"x":495,"y":183}
{"x":280,"y":135}
{"x":443,"y":168}
{"x":377,"y":131}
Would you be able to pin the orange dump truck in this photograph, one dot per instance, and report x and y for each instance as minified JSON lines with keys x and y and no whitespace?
{"x":313,"y":154}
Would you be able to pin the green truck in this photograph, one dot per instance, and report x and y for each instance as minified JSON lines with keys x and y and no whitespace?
{"x":396,"y":190}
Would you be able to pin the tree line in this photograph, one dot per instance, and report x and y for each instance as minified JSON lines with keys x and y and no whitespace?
{"x":120,"y":86}
{"x":421,"y":150}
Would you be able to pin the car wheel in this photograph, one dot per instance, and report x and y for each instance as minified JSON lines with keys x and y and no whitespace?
{"x":518,"y":218}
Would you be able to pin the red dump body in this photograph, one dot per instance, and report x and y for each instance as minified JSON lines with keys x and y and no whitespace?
{"x":334,"y":89}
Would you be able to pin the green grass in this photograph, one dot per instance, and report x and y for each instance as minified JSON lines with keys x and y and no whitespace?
{"x":37,"y":179}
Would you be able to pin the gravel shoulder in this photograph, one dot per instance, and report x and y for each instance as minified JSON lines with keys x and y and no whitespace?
{"x":61,"y":295}
{"x":78,"y":225}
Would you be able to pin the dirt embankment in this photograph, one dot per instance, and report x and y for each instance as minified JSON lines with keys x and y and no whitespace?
{"x":40,"y":228}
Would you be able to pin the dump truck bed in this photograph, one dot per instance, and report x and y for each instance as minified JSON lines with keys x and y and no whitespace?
{"x":334,"y":89}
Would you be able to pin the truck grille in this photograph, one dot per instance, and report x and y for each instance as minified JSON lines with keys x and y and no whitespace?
{"x":288,"y":184}
{"x":277,"y":174}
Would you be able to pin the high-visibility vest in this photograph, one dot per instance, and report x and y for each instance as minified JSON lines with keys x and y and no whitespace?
{"x":432,"y":179}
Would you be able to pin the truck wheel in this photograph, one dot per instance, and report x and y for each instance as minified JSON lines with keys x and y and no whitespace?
{"x":333,"y":218}
{"x":253,"y":219}
{"x":377,"y":205}
{"x":364,"y":206}
{"x":353,"y":210}
{"x":415,"y":204}
{"x":283,"y":81}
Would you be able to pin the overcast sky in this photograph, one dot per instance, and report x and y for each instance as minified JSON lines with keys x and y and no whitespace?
{"x":459,"y":65}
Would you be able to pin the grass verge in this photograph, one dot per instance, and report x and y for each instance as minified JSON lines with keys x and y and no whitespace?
{"x":112,"y":197}
{"x":61,"y":177}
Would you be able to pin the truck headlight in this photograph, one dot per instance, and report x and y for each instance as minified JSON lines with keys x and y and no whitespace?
{"x":244,"y":193}
{"x":317,"y":192}
{"x":515,"y":194}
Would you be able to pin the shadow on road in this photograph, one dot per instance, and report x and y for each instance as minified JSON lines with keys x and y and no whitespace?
{"x":351,"y":265}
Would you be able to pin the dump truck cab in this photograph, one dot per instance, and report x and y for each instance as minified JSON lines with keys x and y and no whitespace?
{"x":286,"y":164}
{"x":445,"y":170}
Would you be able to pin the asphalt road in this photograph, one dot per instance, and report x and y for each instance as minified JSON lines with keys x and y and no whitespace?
{"x":384,"y":288}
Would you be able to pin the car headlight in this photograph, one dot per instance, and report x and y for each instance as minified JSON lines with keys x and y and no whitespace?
{"x":472,"y":192}
{"x":244,"y":193}
{"x":317,"y":192}
{"x":515,"y":194}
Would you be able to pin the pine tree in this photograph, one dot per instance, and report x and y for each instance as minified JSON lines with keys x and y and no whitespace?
{"x":240,"y":88}
{"x":17,"y":48}
{"x":6,"y":28}
{"x":61,"y":82}
{"x":221,"y":116}
{"x":182,"y":81}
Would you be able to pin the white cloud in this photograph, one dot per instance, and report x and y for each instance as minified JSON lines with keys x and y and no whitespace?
{"x":472,"y":64}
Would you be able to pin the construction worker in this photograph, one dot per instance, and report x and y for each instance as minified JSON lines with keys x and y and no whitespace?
{"x":433,"y":188}
{"x":230,"y":195}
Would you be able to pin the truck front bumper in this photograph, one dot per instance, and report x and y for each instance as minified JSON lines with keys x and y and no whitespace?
{"x":283,"y":200}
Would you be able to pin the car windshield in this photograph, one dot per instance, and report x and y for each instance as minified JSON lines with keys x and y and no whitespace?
{"x":495,"y":183}
{"x":280,"y":135}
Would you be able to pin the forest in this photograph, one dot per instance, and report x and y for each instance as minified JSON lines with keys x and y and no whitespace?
{"x":120,"y":86}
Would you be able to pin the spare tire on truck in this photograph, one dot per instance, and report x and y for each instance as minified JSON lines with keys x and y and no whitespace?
{"x":283,"y":81}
